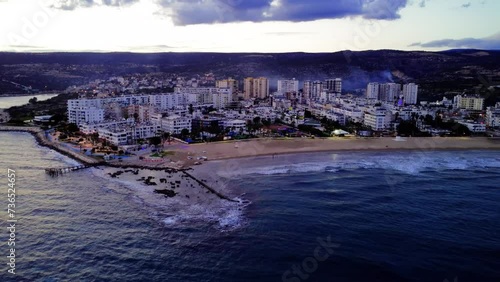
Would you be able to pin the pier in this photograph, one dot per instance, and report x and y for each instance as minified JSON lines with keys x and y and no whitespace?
{"x":59,"y":171}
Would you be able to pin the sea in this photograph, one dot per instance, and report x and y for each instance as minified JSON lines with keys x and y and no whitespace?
{"x":10,"y":101}
{"x":338,"y":216}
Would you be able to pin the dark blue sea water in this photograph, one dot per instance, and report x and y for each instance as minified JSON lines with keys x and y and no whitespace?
{"x":345,"y":216}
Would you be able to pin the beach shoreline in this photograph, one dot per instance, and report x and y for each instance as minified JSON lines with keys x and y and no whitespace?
{"x":186,"y":156}
{"x":273,"y":147}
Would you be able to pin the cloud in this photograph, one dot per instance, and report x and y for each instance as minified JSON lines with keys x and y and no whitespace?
{"x":466,"y":5}
{"x":286,"y":33}
{"x":487,"y":43}
{"x":186,"y":12}
{"x":73,"y":4}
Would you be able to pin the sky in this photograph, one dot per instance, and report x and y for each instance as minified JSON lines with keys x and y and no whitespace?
{"x":247,"y":25}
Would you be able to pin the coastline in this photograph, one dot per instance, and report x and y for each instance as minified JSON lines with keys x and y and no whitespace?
{"x":270,"y":147}
{"x":39,"y":136}
{"x":240,"y":149}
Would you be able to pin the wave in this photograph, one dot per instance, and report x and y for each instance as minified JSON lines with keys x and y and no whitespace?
{"x":409,"y":163}
{"x":177,"y":212}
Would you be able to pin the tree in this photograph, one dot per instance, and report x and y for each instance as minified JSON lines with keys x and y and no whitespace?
{"x":460,"y":130}
{"x":307,"y":114}
{"x":429,"y":120}
{"x":249,"y":125}
{"x":72,"y":127}
{"x":166,"y":136}
{"x":33,"y":100}
{"x":136,"y":116}
{"x":407,"y":128}
{"x":256,"y":120}
{"x":191,"y":109}
{"x":155,"y":140}
{"x":184,"y":132}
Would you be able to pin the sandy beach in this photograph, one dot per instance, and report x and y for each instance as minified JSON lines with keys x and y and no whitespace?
{"x":263,"y":147}
{"x":184,"y":156}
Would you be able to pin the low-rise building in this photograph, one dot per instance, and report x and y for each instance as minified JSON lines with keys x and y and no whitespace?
{"x":474,"y":127}
{"x":175,"y":124}
{"x":493,"y":116}
{"x":80,"y":115}
{"x":376,"y":118}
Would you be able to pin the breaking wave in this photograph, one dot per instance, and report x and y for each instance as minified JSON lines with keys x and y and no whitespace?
{"x":409,"y":163}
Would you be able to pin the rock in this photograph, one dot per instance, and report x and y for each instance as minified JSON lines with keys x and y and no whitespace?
{"x":166,"y":192}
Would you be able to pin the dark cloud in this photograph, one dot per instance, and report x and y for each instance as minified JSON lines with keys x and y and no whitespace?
{"x":185,"y":12}
{"x":487,"y":43}
{"x":466,"y":5}
{"x":73,"y":4}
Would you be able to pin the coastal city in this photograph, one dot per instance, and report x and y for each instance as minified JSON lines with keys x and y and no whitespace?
{"x":230,"y":109}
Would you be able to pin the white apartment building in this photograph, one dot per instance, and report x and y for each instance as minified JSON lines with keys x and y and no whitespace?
{"x":197,"y":95}
{"x":334,"y":85}
{"x":389,"y":92}
{"x":493,"y":116}
{"x":222,"y":98}
{"x":474,"y":127}
{"x":316,"y":90}
{"x":169,"y":100}
{"x":410,"y":93}
{"x":235,"y":124}
{"x":115,"y":135}
{"x":288,"y":86}
{"x":175,"y":124}
{"x":128,"y":134}
{"x":472,"y":103}
{"x":376,"y":118}
{"x":372,"y":90}
{"x":80,"y":115}
{"x":89,"y":128}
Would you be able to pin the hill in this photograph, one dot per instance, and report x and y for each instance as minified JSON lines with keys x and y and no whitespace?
{"x":473,"y":71}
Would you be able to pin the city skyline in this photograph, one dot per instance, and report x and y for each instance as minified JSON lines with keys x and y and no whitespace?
{"x":247,"y":26}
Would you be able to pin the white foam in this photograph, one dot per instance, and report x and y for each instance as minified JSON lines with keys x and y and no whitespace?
{"x":410,"y":163}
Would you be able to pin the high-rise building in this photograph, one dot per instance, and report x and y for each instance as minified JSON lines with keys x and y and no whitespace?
{"x":389,"y":92}
{"x":288,"y":86}
{"x":307,"y":89}
{"x":317,"y":88}
{"x":372,"y":90}
{"x":333,"y":85}
{"x":410,"y":93}
{"x":256,"y":87}
{"x":228,"y":83}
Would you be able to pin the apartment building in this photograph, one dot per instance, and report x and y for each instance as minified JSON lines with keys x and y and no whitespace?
{"x":256,"y":88}
{"x":472,"y":103}
{"x":80,"y":115}
{"x":175,"y":124}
